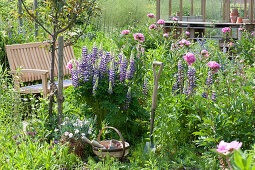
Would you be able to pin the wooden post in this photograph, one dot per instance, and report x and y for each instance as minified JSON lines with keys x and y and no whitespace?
{"x":36,"y":14}
{"x":60,"y":97}
{"x":224,"y":11}
{"x":251,"y":8}
{"x":181,"y":11}
{"x":158,"y":10}
{"x":204,"y":7}
{"x":170,"y":7}
{"x":191,"y":8}
{"x":245,"y":9}
{"x":20,"y":21}
{"x":228,"y":11}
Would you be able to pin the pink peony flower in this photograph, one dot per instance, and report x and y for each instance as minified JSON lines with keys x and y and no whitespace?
{"x":223,"y":147}
{"x":165,"y":35}
{"x":214,"y":66}
{"x":241,"y":61}
{"x":252,"y":33}
{"x":184,"y":42}
{"x":125,"y":32}
{"x":139,"y":37}
{"x":175,"y":19}
{"x":190,"y":58}
{"x":69,"y":65}
{"x":153,"y":26}
{"x":204,"y":53}
{"x":187,"y":33}
{"x":226,"y":29}
{"x":230,"y":44}
{"x":161,"y":22}
{"x":151,"y":15}
{"x":240,"y":29}
{"x":235,"y":145}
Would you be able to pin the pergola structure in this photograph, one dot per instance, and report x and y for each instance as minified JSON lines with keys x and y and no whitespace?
{"x":226,"y":10}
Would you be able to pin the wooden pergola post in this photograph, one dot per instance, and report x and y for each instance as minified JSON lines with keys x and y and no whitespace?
{"x":181,"y":7}
{"x":245,"y":9}
{"x":251,"y":8}
{"x":203,"y":9}
{"x":226,"y":10}
{"x":170,"y":7}
{"x":191,"y":8}
{"x":158,"y":10}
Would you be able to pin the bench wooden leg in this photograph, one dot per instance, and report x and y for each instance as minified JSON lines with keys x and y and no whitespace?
{"x":44,"y":85}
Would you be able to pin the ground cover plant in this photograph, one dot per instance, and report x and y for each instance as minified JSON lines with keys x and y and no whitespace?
{"x":204,"y":116}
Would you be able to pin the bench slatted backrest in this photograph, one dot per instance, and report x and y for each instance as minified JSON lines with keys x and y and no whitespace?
{"x":35,"y":56}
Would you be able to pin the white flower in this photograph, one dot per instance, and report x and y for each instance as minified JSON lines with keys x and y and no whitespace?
{"x":64,"y":123}
{"x":75,"y":124}
{"x":90,"y":131}
{"x":66,"y":133}
{"x":70,"y":135}
{"x":83,"y":134}
{"x":86,"y":122}
{"x":56,"y":130}
{"x":76,"y":131}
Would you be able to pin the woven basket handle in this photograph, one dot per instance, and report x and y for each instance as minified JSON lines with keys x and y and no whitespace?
{"x":116,"y":130}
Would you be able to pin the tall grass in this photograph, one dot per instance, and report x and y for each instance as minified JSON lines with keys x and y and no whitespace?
{"x":122,"y":13}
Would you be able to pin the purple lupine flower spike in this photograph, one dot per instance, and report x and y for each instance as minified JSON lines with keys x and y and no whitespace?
{"x":112,"y":73}
{"x":119,"y":62}
{"x":180,"y":75}
{"x":214,"y":96}
{"x":145,"y":88}
{"x":123,"y":67}
{"x":132,"y":65}
{"x":84,"y":52}
{"x":191,"y":79}
{"x":128,"y":73}
{"x":209,"y":79}
{"x":175,"y":88}
{"x":75,"y":78}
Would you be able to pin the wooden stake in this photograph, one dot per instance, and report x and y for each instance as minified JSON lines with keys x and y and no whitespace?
{"x":36,"y":14}
{"x":60,"y":97}
{"x":20,"y":12}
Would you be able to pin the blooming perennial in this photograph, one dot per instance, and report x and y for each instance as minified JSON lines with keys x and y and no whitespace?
{"x":153,"y":26}
{"x":214,"y":66}
{"x":187,"y":33}
{"x":175,"y":19}
{"x":139,"y":37}
{"x":125,"y":32}
{"x":165,"y":35}
{"x":225,"y":147}
{"x":161,"y":22}
{"x":184,"y":42}
{"x":225,"y":30}
{"x":151,"y":15}
{"x":190,"y":58}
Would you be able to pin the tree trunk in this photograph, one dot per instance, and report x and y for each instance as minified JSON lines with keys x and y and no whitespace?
{"x":60,"y":97}
{"x":36,"y":15}
{"x":19,"y":12}
{"x":52,"y":85}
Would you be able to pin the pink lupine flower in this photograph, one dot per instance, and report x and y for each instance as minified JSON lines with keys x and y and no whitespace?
{"x":235,"y":145}
{"x":187,"y":33}
{"x":223,"y":147}
{"x":226,"y":29}
{"x":139,"y":37}
{"x":175,"y":19}
{"x":165,"y":35}
{"x":151,"y":15}
{"x":125,"y":32}
{"x":190,"y":58}
{"x":214,"y":66}
{"x":69,"y":65}
{"x":153,"y":26}
{"x":161,"y":22}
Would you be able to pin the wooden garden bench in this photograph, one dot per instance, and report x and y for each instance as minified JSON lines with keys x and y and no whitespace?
{"x":34,"y":60}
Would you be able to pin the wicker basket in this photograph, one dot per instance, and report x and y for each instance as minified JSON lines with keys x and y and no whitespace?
{"x":113,"y":152}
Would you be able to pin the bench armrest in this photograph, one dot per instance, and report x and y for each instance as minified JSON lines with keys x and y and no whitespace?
{"x":30,"y":71}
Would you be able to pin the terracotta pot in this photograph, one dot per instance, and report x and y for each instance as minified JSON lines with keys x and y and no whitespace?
{"x":234,"y":10}
{"x":233,"y":19}
{"x":233,"y":14}
{"x":239,"y":20}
